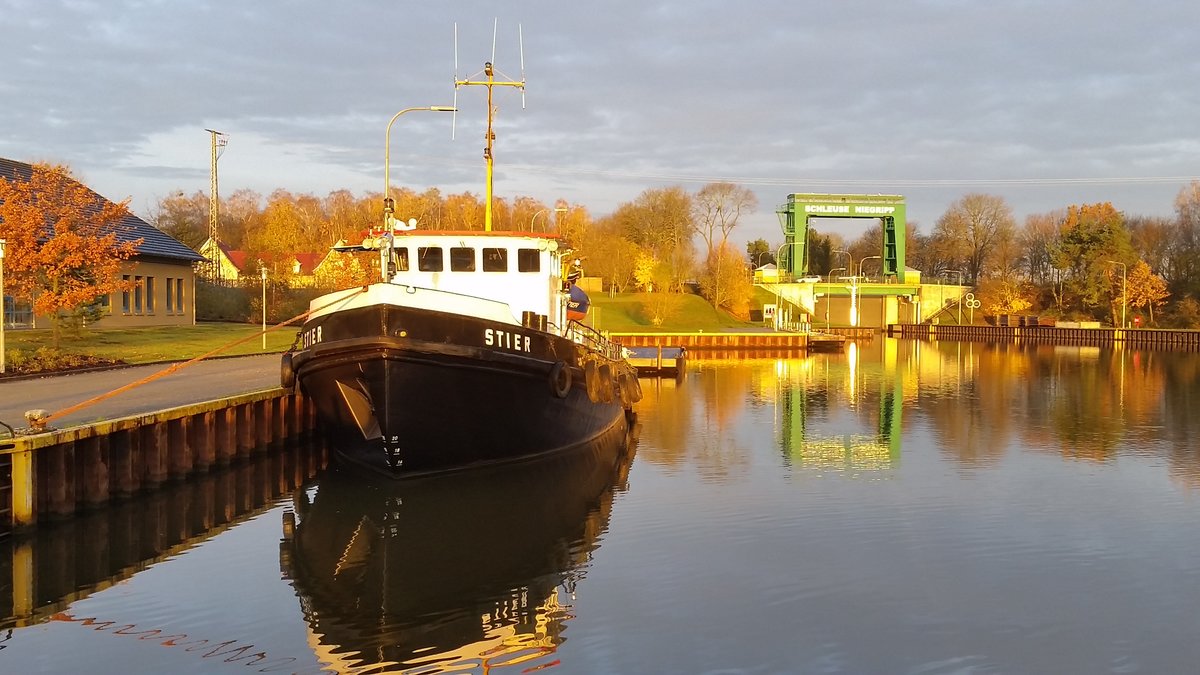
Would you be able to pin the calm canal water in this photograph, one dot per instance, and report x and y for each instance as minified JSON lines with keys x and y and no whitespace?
{"x":903,"y":507}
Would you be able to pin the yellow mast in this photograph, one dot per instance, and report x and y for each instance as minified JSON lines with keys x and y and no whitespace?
{"x":490,"y":82}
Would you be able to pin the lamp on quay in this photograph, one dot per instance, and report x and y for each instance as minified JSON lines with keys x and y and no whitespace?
{"x":533,"y":221}
{"x":262,"y":269}
{"x":388,"y":205}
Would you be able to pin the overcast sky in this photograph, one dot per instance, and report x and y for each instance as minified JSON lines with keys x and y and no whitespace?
{"x":1046,"y":103}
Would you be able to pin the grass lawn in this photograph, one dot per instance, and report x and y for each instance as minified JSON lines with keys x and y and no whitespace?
{"x":159,"y":343}
{"x":624,"y":313}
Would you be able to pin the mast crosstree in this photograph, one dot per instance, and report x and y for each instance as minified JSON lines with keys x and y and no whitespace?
{"x":489,"y":80}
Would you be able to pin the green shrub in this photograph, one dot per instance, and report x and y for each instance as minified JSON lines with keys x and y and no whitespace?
{"x":49,"y":359}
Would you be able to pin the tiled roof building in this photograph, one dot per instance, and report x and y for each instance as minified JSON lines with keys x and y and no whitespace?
{"x":161,"y":269}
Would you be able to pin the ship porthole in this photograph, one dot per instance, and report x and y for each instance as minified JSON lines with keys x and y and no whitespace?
{"x":560,"y":379}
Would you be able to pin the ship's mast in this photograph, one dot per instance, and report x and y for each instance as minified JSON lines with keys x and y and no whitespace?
{"x":490,"y":82}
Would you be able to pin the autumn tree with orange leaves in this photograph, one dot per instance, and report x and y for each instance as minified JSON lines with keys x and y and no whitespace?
{"x":63,"y":249}
{"x":1146,"y":289}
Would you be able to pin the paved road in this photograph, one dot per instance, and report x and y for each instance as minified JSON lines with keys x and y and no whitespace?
{"x":202,"y":381}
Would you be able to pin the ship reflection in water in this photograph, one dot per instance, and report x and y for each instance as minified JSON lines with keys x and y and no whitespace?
{"x":460,"y":571}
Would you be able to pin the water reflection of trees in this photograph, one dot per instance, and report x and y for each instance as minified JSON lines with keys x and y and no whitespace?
{"x":1079,"y":401}
{"x":696,"y":428}
{"x":976,"y":401}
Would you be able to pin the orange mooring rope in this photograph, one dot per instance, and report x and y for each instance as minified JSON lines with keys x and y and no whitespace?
{"x":178,"y":366}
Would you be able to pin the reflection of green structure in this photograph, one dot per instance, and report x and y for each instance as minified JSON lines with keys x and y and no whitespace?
{"x":848,"y":451}
{"x":800,"y":208}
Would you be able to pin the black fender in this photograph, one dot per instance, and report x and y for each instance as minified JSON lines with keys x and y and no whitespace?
{"x":287,"y":374}
{"x":560,"y":379}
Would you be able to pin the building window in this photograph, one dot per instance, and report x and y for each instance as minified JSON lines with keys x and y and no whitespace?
{"x":149,"y":295}
{"x":139,"y":292}
{"x":462,"y":259}
{"x":125,"y":297}
{"x":179,"y":295}
{"x":529,"y":260}
{"x":170,"y":295}
{"x":495,"y":260}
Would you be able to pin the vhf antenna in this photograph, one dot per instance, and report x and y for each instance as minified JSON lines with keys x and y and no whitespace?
{"x":490,"y":81}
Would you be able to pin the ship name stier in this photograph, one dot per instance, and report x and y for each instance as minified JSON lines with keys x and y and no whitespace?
{"x":310,"y":337}
{"x":506,"y":340}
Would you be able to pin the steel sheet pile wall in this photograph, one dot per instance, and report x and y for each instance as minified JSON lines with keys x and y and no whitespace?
{"x":1187,"y":340}
{"x":59,"y":473}
{"x":52,"y":566}
{"x":714,"y":340}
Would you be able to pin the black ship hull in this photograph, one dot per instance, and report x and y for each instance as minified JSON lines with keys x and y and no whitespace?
{"x":406,"y":391}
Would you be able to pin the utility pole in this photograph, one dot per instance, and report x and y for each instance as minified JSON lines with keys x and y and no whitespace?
{"x":219,"y":141}
{"x":3,"y":304}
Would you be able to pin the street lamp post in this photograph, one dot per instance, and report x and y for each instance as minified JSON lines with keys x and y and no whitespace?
{"x":1123,"y":296}
{"x":828,"y":297}
{"x":533,"y":221}
{"x":861,"y":274}
{"x":262,"y":269}
{"x":779,"y":281}
{"x":865,"y":259}
{"x":849,"y":261}
{"x":853,"y":287}
{"x":959,"y":284}
{"x":388,"y":205}
{"x":3,"y":305}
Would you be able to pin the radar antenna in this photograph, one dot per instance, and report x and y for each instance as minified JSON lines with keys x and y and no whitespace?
{"x":489,"y":80}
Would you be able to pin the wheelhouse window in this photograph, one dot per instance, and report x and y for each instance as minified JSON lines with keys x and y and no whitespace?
{"x":462,"y":259}
{"x":529,"y":260}
{"x":495,"y":260}
{"x":401,"y":258}
{"x":429,"y":259}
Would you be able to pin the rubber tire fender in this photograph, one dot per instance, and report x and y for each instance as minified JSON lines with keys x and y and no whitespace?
{"x":287,"y":374}
{"x":625,"y":390}
{"x":560,"y":379}
{"x":606,"y":383}
{"x":591,"y":378}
